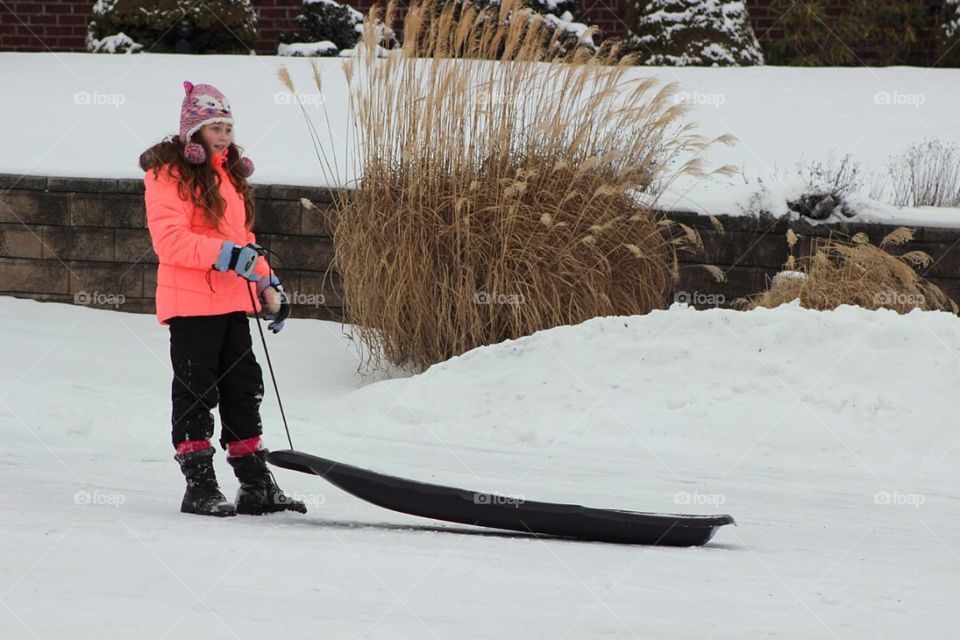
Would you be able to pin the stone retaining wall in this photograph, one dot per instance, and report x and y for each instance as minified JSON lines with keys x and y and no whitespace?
{"x":84,"y":241}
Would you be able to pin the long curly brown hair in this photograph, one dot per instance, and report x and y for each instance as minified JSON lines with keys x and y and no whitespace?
{"x":200,"y":182}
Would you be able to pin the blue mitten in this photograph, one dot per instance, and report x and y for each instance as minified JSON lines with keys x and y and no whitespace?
{"x":277,"y":318}
{"x":242,"y":260}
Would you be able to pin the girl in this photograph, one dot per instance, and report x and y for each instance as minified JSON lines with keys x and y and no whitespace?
{"x":200,"y":215}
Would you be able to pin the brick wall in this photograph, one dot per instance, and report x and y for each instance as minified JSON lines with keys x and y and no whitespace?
{"x":276,"y":16}
{"x":61,"y":26}
{"x":42,"y":26}
{"x":84,"y":241}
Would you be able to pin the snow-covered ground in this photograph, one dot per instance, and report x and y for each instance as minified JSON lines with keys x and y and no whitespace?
{"x":832,"y":437}
{"x":75,"y":114}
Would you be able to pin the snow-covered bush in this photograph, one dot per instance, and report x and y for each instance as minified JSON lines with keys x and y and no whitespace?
{"x":564,"y":16}
{"x":322,"y":48}
{"x":559,"y":20}
{"x":568,"y":10}
{"x":572,"y":33}
{"x":682,"y":33}
{"x":117,"y":43}
{"x":951,"y":26}
{"x":826,"y":187}
{"x":212,"y":26}
{"x":557,"y":8}
{"x":950,"y":34}
{"x":323,"y":28}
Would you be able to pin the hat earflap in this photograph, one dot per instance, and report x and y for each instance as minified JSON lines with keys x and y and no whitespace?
{"x":194,"y":153}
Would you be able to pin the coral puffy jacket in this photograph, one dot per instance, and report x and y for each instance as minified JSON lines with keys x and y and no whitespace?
{"x":187,"y":284}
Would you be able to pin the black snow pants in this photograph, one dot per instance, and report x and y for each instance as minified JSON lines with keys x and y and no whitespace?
{"x":213,"y":362}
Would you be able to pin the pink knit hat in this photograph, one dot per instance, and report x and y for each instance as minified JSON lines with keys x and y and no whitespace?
{"x":203,"y":104}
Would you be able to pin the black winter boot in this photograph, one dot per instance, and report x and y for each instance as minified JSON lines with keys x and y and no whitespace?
{"x":203,"y":495}
{"x":258,"y":493}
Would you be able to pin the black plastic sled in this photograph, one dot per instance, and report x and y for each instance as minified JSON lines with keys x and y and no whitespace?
{"x":505,"y":512}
